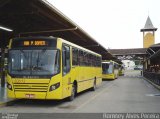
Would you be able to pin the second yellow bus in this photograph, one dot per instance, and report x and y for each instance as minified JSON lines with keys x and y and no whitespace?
{"x":110,"y":69}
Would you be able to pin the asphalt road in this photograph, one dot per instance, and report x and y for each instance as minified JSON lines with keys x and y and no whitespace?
{"x":127,"y":94}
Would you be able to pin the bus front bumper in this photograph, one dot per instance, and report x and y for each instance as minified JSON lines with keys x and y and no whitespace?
{"x":108,"y":76}
{"x":35,"y":95}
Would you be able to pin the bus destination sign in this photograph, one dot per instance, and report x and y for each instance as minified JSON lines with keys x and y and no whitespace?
{"x":34,"y":43}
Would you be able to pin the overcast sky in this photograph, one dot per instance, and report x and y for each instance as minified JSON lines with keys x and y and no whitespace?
{"x":115,"y":24}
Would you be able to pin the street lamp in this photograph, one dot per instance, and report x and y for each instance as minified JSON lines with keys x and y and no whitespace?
{"x":6,"y":29}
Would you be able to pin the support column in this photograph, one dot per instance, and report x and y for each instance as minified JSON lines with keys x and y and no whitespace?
{"x":2,"y":69}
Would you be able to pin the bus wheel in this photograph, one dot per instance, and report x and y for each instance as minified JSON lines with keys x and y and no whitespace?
{"x":94,"y":86}
{"x":73,"y":93}
{"x":114,"y":77}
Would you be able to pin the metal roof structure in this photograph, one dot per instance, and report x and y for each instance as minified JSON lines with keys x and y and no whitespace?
{"x":135,"y":51}
{"x":148,"y":26}
{"x":123,"y":54}
{"x":40,"y":18}
{"x":153,"y":52}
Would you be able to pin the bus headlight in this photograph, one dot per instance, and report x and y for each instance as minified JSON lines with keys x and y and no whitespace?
{"x":54,"y":86}
{"x":9,"y":86}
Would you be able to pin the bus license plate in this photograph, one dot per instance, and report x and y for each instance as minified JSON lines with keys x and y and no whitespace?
{"x":30,"y":95}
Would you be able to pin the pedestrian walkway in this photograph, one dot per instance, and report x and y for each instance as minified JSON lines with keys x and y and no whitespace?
{"x":3,"y":96}
{"x":132,"y":74}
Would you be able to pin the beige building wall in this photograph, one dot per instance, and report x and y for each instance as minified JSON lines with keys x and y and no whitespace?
{"x":148,"y":40}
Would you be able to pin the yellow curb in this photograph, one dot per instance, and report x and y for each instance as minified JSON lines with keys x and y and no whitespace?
{"x":3,"y":104}
{"x":6,"y":103}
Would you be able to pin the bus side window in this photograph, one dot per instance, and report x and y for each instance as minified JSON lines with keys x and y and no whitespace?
{"x":90,"y":60}
{"x":81,"y":57}
{"x":74,"y":56}
{"x":66,"y":59}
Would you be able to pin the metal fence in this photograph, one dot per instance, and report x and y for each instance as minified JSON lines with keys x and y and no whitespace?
{"x":153,"y":77}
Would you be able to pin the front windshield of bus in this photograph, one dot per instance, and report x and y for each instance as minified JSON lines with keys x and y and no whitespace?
{"x":33,"y":62}
{"x":107,"y":68}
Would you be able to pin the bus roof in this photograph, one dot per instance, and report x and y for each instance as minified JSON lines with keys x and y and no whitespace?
{"x":55,"y":38}
{"x":74,"y":45}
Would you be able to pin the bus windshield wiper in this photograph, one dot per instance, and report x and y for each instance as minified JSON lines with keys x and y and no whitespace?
{"x":24,"y":69}
{"x":36,"y":68}
{"x":24,"y":54}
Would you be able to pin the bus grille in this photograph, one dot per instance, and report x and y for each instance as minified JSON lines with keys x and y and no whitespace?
{"x":31,"y":87}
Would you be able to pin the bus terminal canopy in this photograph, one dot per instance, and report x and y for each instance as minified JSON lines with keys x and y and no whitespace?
{"x":40,"y":18}
{"x":129,"y":54}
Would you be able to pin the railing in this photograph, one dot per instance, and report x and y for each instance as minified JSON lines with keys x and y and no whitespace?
{"x":153,"y":77}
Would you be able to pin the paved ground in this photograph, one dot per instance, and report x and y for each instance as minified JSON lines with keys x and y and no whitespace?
{"x":129,"y":93}
{"x":3,"y":96}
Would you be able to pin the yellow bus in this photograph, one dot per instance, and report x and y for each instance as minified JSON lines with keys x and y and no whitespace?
{"x":50,"y":68}
{"x":121,"y":69}
{"x":110,"y":69}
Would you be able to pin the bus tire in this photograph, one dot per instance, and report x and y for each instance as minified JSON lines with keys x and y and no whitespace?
{"x":94,"y":86}
{"x":116,"y":76}
{"x":73,"y":93}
